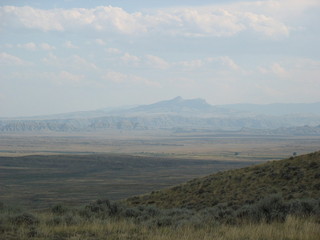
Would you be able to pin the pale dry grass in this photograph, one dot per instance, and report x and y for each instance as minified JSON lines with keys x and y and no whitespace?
{"x":292,"y":229}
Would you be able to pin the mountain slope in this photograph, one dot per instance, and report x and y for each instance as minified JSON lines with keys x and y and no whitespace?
{"x":170,"y":114}
{"x":293,"y":178}
{"x":277,"y":109}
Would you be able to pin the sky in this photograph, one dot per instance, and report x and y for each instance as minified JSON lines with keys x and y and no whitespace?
{"x":76,"y":55}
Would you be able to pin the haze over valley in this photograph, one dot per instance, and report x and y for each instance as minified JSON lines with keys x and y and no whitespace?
{"x":179,"y":114}
{"x":159,"y":120}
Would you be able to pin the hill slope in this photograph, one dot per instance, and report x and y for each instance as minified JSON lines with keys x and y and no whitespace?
{"x":293,"y":178}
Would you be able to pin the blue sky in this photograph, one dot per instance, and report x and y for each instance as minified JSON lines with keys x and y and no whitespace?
{"x":61,"y":56}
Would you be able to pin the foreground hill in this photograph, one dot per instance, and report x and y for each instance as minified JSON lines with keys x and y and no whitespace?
{"x":293,"y":178}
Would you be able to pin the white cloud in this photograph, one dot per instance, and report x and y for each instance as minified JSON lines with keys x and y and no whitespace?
{"x":123,"y":78}
{"x":270,"y":18}
{"x":28,"y":46}
{"x":51,"y":59}
{"x":115,"y":76}
{"x":100,"y":42}
{"x":74,"y":62}
{"x":99,"y":18}
{"x":82,"y":63}
{"x":69,"y":44}
{"x":278,"y":70}
{"x":266,"y":25}
{"x":291,"y":79}
{"x":31,"y":46}
{"x":144,"y":81}
{"x":46,"y":47}
{"x":275,"y":69}
{"x":202,"y":22}
{"x":67,"y":76}
{"x":280,"y":9}
{"x":218,"y":62}
{"x":113,"y":50}
{"x":130,"y":59}
{"x":157,"y":62}
{"x":262,"y":70}
{"x":227,"y":61}
{"x":7,"y":59}
{"x":116,"y":19}
{"x":33,"y":18}
{"x":62,"y":77}
{"x":191,"y":64}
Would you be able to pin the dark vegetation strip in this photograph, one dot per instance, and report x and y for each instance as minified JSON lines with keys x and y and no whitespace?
{"x":268,"y":210}
{"x":42,"y":180}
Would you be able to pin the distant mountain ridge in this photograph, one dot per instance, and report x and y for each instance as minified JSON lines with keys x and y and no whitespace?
{"x":277,"y":109}
{"x":175,"y":113}
{"x":176,"y":105}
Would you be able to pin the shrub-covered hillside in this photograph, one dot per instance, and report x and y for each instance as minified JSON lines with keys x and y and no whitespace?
{"x":293,"y":178}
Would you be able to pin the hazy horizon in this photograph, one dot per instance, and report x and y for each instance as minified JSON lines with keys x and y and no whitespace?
{"x":66,"y":56}
{"x":112,"y":108}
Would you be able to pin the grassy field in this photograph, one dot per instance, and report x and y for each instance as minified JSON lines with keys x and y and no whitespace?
{"x":37,"y":181}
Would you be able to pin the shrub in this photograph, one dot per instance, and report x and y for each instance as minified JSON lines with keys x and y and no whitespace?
{"x":269,"y":209}
{"x":131,"y":213}
{"x":305,"y":207}
{"x":248,"y":212}
{"x":152,"y":211}
{"x":71,"y":219}
{"x":163,"y":221}
{"x":24,"y":219}
{"x":59,"y":209}
{"x":32,"y":232}
{"x":56,"y":220}
{"x":103,"y":208}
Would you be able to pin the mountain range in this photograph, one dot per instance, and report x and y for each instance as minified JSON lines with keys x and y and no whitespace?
{"x":176,"y":113}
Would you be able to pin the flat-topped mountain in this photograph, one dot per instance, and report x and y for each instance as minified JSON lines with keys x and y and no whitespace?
{"x":175,"y":113}
{"x":293,"y":178}
{"x":176,"y":105}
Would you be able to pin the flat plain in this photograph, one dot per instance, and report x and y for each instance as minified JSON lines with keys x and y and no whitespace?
{"x":164,"y":143}
{"x":39,"y":169}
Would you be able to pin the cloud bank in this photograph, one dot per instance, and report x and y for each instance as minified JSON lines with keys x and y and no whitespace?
{"x":268,"y":18}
